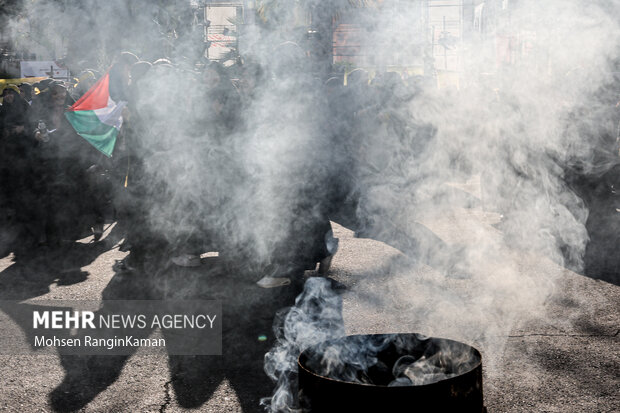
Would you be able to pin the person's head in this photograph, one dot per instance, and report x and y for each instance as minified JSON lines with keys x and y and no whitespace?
{"x":25,"y":90}
{"x":333,"y":83}
{"x":43,"y":85}
{"x":252,"y":74}
{"x":387,"y":83}
{"x":357,"y":78}
{"x":87,"y":78}
{"x":9,"y":93}
{"x":123,"y":64}
{"x":333,"y":86}
{"x":290,"y":60}
{"x":392,"y":80}
{"x":162,"y":61}
{"x":138,"y":70}
{"x":213,"y":74}
{"x":127,"y":59}
{"x":58,"y":93}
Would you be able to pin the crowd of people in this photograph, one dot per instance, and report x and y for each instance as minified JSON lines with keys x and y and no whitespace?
{"x":180,"y":160}
{"x":250,"y":159}
{"x":43,"y":162}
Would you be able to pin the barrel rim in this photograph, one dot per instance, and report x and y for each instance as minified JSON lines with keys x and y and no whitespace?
{"x":476,"y":365}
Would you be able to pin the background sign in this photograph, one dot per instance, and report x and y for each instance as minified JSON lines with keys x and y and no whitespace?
{"x":43,"y":68}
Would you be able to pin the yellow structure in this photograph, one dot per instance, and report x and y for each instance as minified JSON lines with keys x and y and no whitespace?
{"x":5,"y":82}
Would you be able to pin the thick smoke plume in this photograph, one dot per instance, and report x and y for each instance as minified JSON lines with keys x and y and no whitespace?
{"x":521,"y":131}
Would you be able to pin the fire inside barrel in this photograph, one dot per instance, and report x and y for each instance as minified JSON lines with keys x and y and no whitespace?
{"x":391,"y":372}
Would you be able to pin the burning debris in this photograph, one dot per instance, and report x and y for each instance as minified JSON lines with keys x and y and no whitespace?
{"x":390,"y":371}
{"x":390,"y":360}
{"x":335,"y":372}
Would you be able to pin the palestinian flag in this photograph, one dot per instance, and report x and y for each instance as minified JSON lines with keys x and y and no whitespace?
{"x":96,"y":117}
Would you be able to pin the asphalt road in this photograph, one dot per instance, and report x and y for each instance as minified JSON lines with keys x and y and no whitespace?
{"x":549,"y":336}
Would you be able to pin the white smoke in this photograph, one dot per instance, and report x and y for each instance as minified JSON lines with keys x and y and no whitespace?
{"x":518,"y":128}
{"x":513,"y":127}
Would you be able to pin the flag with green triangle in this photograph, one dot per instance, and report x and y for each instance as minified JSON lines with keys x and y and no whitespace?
{"x":96,"y":117}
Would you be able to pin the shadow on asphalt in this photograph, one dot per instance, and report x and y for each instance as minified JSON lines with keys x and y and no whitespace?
{"x":601,"y":197}
{"x":594,"y":375}
{"x":602,"y":259}
{"x":34,"y":271}
{"x":248,"y":313}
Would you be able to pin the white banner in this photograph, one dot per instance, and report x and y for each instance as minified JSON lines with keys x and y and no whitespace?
{"x":37,"y":68}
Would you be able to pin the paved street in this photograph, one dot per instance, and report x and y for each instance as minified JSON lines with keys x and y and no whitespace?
{"x":549,"y":336}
